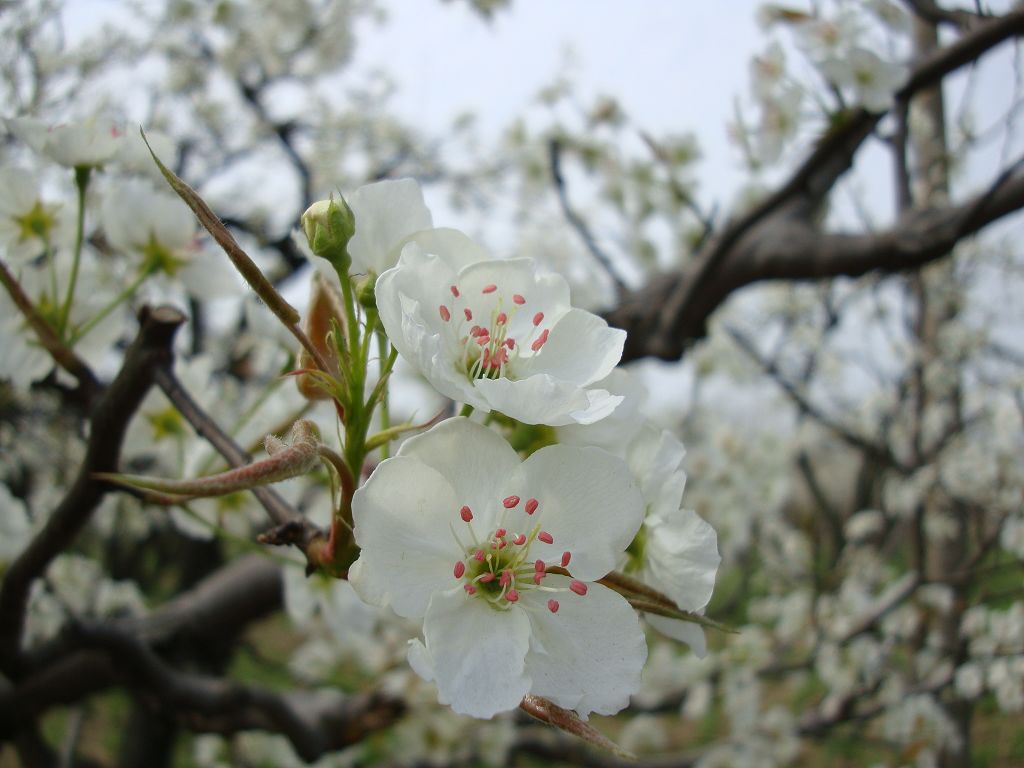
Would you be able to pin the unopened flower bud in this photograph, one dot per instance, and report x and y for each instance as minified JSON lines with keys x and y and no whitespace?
{"x":329,"y":225}
{"x":365,"y":292}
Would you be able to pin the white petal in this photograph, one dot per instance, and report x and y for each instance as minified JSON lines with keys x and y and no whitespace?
{"x":452,"y":246}
{"x":385,"y":212}
{"x":683,"y":631}
{"x":539,"y":399}
{"x":478,"y":653}
{"x":682,"y":557}
{"x":589,"y":654}
{"x":615,"y":433}
{"x":581,"y":348}
{"x":475,"y":460}
{"x":589,"y":503}
{"x":402,"y":517}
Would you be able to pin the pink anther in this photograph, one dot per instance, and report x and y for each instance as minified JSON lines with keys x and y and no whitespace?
{"x":466,"y":514}
{"x":489,"y":288}
{"x":578,"y":587}
{"x":565,"y":558}
{"x":460,"y":568}
{"x":539,"y":566}
{"x":518,"y":299}
{"x":510,"y":502}
{"x":537,"y":576}
{"x":510,"y":343}
{"x":552,"y":605}
{"x":541,"y":341}
{"x":531,"y":506}
{"x":506,"y":578}
{"x":455,"y":290}
{"x":467,"y":313}
{"x":487,"y":578}
{"x":538,"y":318}
{"x":445,"y":314}
{"x":484,"y":338}
{"x":479,"y":555}
{"x":512,"y":596}
{"x":519,"y":540}
{"x":470,"y":589}
{"x":546,"y":537}
{"x":501,"y":319}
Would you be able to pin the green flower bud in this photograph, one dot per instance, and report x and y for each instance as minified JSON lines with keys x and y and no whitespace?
{"x":329,"y":225}
{"x":365,"y":292}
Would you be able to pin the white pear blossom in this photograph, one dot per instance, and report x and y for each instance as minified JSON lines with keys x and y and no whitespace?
{"x":159,"y":228}
{"x":89,"y":143}
{"x":675,"y":551}
{"x":872,"y":79}
{"x":499,"y":558}
{"x":386,"y":212}
{"x":496,"y":334}
{"x":27,"y":224}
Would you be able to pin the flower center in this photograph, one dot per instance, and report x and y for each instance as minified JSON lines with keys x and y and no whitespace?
{"x":499,"y":569}
{"x":482,"y":328}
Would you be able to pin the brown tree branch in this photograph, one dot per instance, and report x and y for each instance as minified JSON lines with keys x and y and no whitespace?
{"x":672,"y":310}
{"x":114,"y":409}
{"x":315,"y":722}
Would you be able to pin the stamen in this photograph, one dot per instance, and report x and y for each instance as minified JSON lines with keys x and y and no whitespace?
{"x":445,"y":314}
{"x":531,"y":506}
{"x":538,"y":318}
{"x":488,"y":577}
{"x":518,"y":299}
{"x":510,"y":343}
{"x":506,"y":578}
{"x":467,"y":313}
{"x":479,"y":555}
{"x":455,"y":291}
{"x":546,"y":537}
{"x":489,"y":288}
{"x":541,"y":340}
{"x":485,"y":338}
{"x":499,"y":533}
{"x":460,"y":568}
{"x":512,"y":596}
{"x":466,"y":513}
{"x":539,"y":566}
{"x":578,"y":587}
{"x":537,"y":576}
{"x":519,"y":540}
{"x":565,"y":558}
{"x":510,"y":502}
{"x":552,"y":604}
{"x":501,"y":319}
{"x":470,"y":589}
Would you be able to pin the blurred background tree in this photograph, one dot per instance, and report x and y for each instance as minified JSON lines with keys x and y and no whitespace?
{"x":838,"y":344}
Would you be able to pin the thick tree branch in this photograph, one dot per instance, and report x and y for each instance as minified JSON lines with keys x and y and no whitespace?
{"x":671,"y":311}
{"x":315,"y":722}
{"x":114,"y":409}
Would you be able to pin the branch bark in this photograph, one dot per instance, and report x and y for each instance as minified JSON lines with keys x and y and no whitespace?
{"x":114,"y":409}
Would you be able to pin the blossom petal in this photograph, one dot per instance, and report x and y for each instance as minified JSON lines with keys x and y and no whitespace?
{"x":385,"y":213}
{"x":476,"y":654}
{"x":682,"y":557}
{"x":589,"y":503}
{"x":454,"y":248}
{"x":540,"y":399}
{"x":587,"y":656}
{"x":402,"y":518}
{"x":473,"y":458}
{"x":581,"y":348}
{"x":683,"y":631}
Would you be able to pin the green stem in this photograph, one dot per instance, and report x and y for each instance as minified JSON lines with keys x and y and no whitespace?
{"x":82,"y":173}
{"x":385,"y":411}
{"x":96,"y":319}
{"x":467,"y":410}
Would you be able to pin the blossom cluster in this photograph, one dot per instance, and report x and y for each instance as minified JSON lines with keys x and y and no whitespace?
{"x":503,"y":558}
